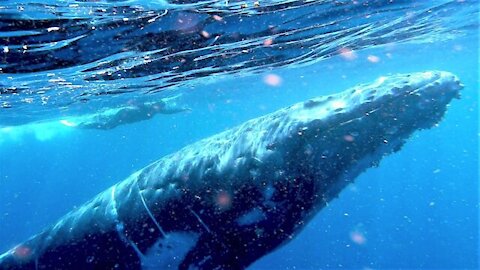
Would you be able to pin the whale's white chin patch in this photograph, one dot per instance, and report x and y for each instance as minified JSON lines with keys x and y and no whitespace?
{"x":169,"y":252}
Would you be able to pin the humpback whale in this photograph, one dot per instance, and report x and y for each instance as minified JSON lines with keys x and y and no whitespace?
{"x":113,"y":117}
{"x":227,"y":200}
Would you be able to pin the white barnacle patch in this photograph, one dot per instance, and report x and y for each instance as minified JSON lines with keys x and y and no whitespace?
{"x":338,"y":104}
{"x":169,"y":251}
{"x":253,"y":216}
{"x":380,"y":80}
{"x":427,"y":75}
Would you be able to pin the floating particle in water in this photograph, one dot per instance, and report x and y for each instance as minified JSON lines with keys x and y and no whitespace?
{"x":22,"y":252}
{"x":272,"y":80}
{"x":358,"y":237}
{"x":217,"y":18}
{"x":349,"y":138}
{"x":223,"y":200}
{"x":348,"y":54}
{"x":205,"y":34}
{"x":6,"y":49}
{"x":373,"y":59}
{"x":268,"y":42}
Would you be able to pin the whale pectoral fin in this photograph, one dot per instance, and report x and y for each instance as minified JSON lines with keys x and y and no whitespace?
{"x":231,"y":250}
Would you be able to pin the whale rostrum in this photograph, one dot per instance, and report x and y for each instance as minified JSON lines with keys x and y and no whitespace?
{"x":227,"y":200}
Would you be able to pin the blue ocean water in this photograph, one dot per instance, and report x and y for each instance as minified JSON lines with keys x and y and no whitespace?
{"x":418,"y":209}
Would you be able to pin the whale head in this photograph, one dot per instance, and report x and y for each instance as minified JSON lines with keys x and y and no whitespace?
{"x":420,"y":99}
{"x":333,"y":139}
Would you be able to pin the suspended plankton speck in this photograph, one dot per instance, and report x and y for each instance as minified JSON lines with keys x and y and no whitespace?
{"x":272,"y":80}
{"x":373,"y":59}
{"x":358,"y":237}
{"x":22,"y":252}
{"x":348,"y":54}
{"x":205,"y":34}
{"x":6,"y":49}
{"x":349,"y":138}
{"x":217,"y":18}
{"x":223,"y":200}
{"x":268,"y":42}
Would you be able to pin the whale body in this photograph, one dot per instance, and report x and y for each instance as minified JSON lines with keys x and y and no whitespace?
{"x":228,"y":200}
{"x":114,"y":117}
